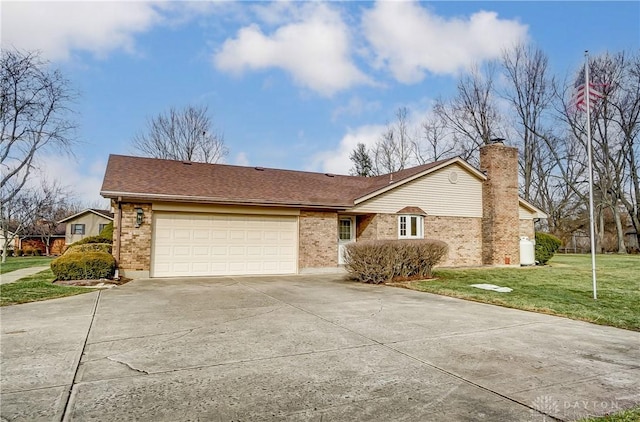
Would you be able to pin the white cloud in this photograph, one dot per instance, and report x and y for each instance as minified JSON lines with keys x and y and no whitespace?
{"x":355,"y":107}
{"x":241,"y":159}
{"x":337,"y":160}
{"x":315,"y":50}
{"x":85,"y":185}
{"x":410,"y":40}
{"x":58,"y":28}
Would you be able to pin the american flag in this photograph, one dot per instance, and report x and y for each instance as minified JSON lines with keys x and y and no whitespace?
{"x":579,"y":97}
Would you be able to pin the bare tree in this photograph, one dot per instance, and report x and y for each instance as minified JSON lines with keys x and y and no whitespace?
{"x":472,"y":114}
{"x":614,"y":132}
{"x":624,"y":100}
{"x":394,"y":149}
{"x":530,"y":93}
{"x":186,"y":134}
{"x":362,"y":163}
{"x":52,"y":202}
{"x":34,"y":115}
{"x":436,"y":142}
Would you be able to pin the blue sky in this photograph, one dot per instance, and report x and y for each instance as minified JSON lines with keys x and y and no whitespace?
{"x":290,"y":84}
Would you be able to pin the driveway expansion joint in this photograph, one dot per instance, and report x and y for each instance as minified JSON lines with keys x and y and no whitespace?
{"x":67,"y":405}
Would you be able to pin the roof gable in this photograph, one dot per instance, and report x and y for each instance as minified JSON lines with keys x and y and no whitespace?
{"x":408,"y":175}
{"x":527,"y":205}
{"x":102,"y":213}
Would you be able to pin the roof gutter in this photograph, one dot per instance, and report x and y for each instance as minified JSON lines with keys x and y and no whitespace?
{"x":134,"y":196}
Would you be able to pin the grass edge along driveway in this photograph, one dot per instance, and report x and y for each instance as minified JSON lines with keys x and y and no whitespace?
{"x":629,"y":415}
{"x":19,"y":262}
{"x":35,"y":288}
{"x":563,"y":288}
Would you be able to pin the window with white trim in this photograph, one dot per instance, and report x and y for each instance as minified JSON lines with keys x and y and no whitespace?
{"x":410,"y":227}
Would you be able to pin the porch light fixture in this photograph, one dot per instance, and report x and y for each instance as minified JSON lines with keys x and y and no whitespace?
{"x":139,"y":217}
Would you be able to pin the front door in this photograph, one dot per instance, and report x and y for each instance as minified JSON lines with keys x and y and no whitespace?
{"x":346,"y":235}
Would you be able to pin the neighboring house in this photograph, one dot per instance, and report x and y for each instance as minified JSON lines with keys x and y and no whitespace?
{"x":30,"y":242}
{"x":89,"y":222}
{"x":175,"y":218}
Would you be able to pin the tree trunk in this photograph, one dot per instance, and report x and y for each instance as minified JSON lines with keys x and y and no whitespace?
{"x":600,"y":233}
{"x":622,"y":249}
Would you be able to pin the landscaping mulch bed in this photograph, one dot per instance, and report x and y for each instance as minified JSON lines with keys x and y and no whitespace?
{"x":102,"y":283}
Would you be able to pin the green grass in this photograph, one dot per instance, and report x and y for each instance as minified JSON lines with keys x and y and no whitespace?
{"x":564,"y":287}
{"x":18,"y":262}
{"x":629,"y":415}
{"x":35,"y":288}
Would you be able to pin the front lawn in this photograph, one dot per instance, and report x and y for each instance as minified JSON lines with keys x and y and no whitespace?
{"x":564,"y":287}
{"x":629,"y":415}
{"x":18,"y":262}
{"x":34,"y":288}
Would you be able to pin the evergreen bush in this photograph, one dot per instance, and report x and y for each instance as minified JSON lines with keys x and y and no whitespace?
{"x":546,"y":246}
{"x":83,"y":266}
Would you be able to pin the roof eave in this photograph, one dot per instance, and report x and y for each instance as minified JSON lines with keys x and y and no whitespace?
{"x":84,"y":212}
{"x":531,"y":207}
{"x":139,"y":196}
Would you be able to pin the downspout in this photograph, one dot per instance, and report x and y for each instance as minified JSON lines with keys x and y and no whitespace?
{"x":118,"y":234}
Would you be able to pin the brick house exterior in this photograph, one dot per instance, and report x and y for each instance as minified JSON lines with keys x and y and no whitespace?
{"x":182,"y":219}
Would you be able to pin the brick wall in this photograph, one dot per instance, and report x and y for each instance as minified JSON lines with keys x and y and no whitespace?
{"x":376,"y":226}
{"x":527,"y":229}
{"x":318,"y":240}
{"x":135,"y":242}
{"x":501,"y":225}
{"x":462,"y":234}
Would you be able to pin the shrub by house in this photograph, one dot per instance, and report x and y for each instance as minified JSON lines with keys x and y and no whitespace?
{"x":381,"y":261}
{"x":546,"y":247}
{"x":91,"y":265}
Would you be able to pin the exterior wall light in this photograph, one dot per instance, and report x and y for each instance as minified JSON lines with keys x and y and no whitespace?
{"x":139,"y":217}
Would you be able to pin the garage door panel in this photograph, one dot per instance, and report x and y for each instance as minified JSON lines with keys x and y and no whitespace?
{"x":218,"y":235}
{"x":217,"y":244}
{"x":201,"y":251}
{"x":219,"y":250}
{"x":201,"y":235}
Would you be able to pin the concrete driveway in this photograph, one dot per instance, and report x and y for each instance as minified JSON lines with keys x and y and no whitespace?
{"x":304,"y":348}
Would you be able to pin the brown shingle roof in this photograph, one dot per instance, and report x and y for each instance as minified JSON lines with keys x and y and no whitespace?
{"x":138,"y":177}
{"x":105,"y":213}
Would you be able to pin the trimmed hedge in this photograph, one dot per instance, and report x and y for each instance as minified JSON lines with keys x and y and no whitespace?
{"x":107,"y":232}
{"x":84,"y":266}
{"x":90,"y":239}
{"x":381,"y":261}
{"x":93,"y":239}
{"x":90,"y":247}
{"x":546,"y":246}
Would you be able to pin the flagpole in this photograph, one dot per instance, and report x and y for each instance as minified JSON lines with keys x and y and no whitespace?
{"x":587,"y":95}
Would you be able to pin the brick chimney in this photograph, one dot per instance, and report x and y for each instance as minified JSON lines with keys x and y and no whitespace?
{"x":500,"y":209}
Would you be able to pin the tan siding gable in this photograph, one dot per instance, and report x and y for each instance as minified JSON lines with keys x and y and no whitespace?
{"x":91,"y":223}
{"x":526,"y":214}
{"x":434,"y":193}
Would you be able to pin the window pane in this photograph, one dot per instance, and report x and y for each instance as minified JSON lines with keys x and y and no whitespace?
{"x":403,"y":226}
{"x":344,"y":229}
{"x":414,"y":226}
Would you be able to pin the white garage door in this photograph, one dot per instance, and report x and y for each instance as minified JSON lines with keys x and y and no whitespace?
{"x":223,"y":244}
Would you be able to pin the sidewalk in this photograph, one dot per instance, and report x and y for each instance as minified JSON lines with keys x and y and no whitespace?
{"x":18,"y":274}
